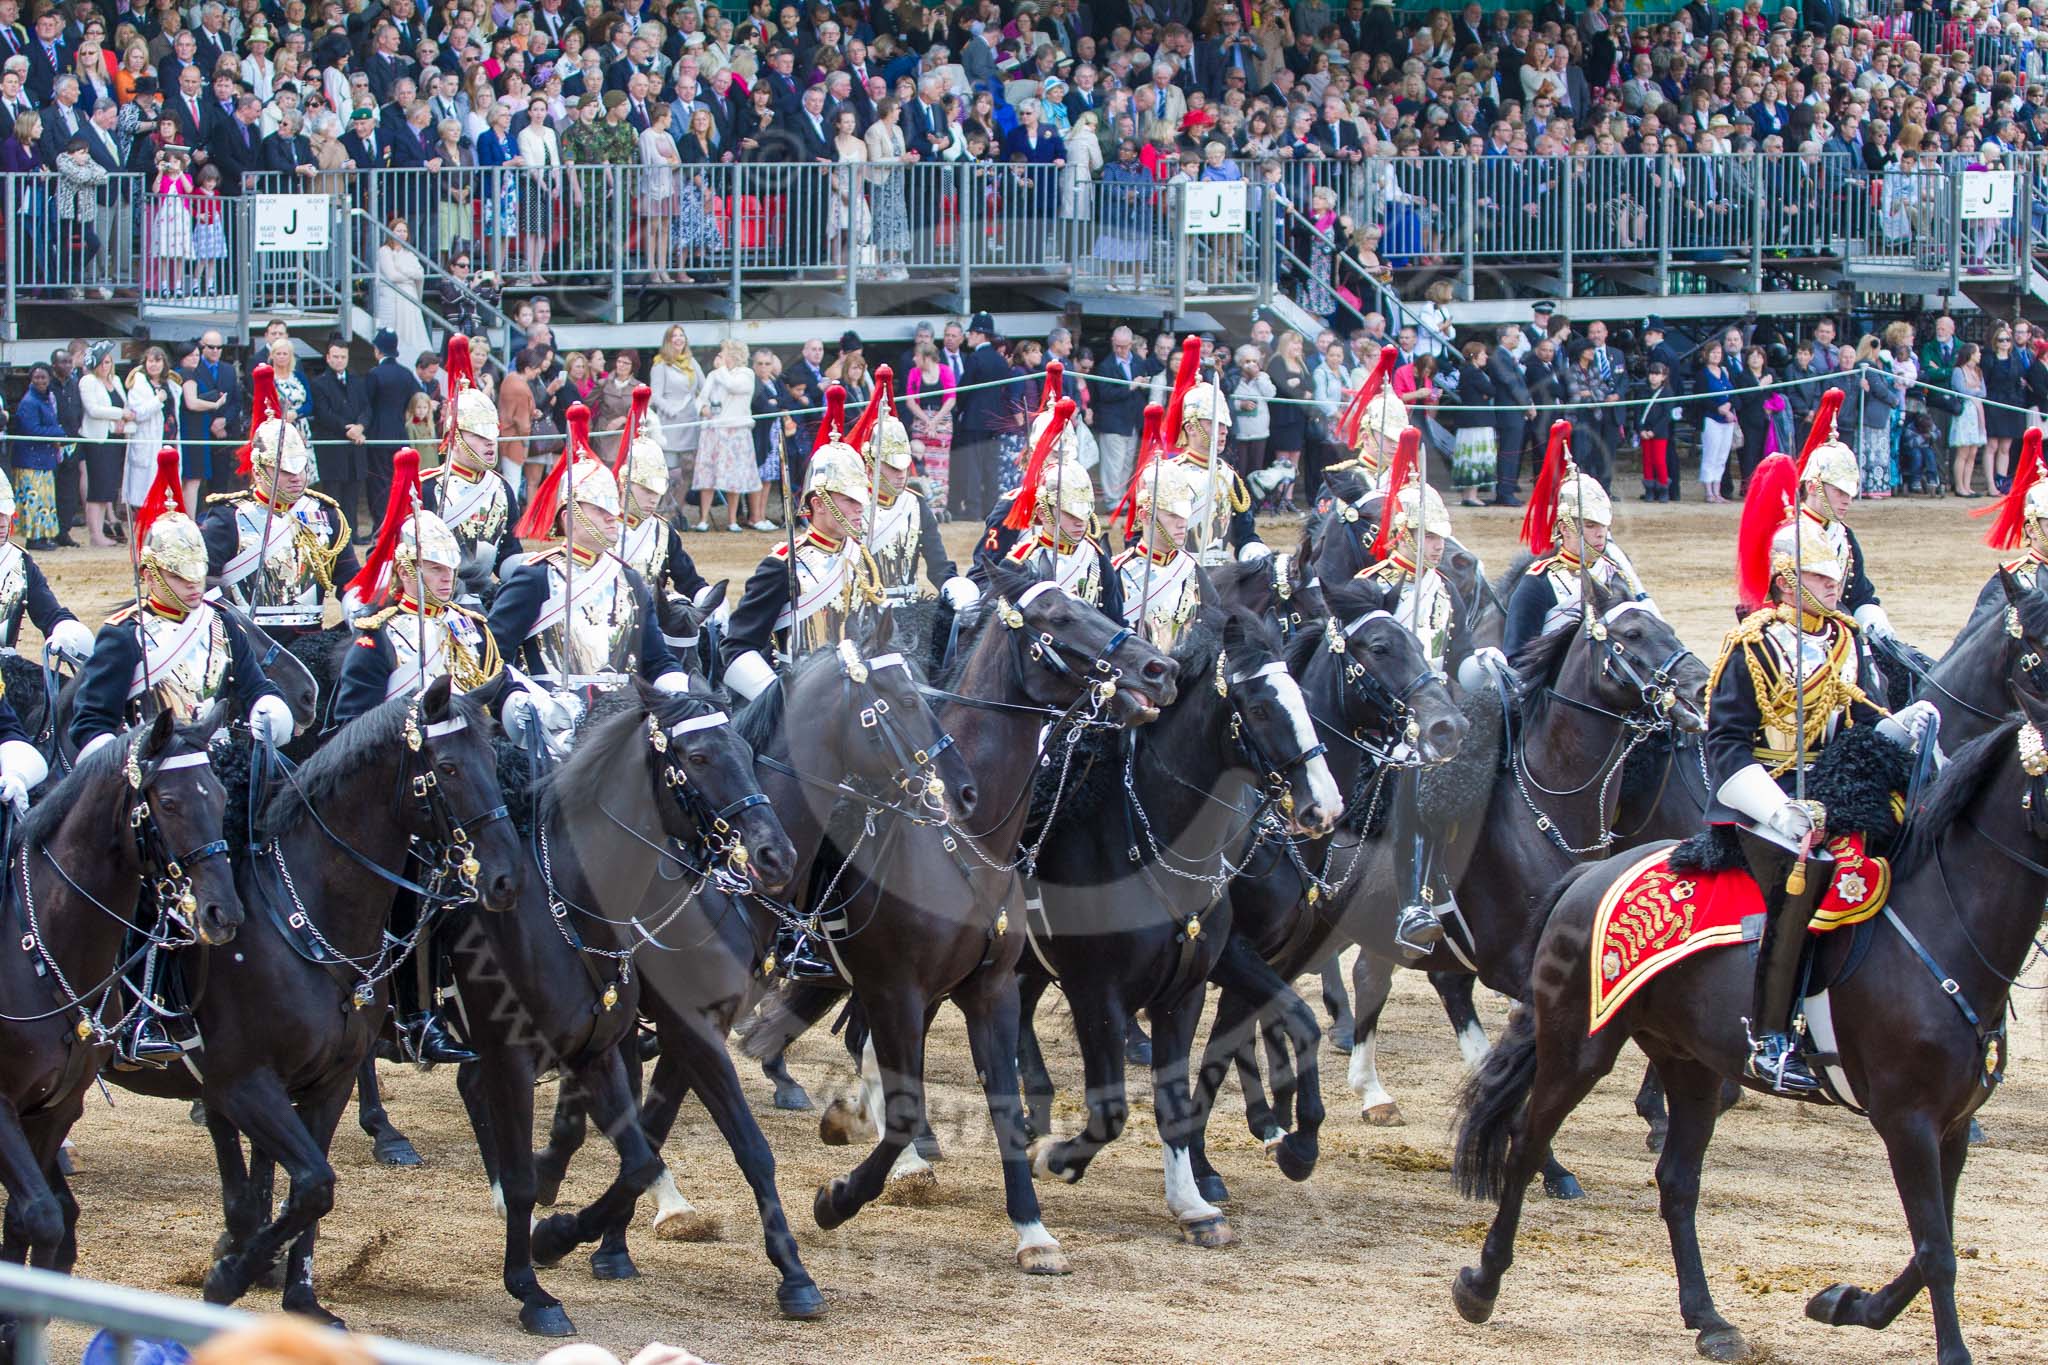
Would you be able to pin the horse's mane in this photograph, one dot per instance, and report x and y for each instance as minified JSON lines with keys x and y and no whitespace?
{"x":1504,"y":586}
{"x":1960,"y":783}
{"x":354,"y":746}
{"x":1346,"y":600}
{"x":1541,"y":659}
{"x":605,"y":744}
{"x":58,"y":798}
{"x":759,"y":722}
{"x":1240,"y":573}
{"x":1005,"y":580}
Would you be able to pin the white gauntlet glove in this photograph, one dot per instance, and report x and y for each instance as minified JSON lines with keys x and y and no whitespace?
{"x":1751,"y":791}
{"x":71,"y":640}
{"x":271,"y":719}
{"x":22,"y":768}
{"x":1870,"y":616}
{"x":749,"y":675}
{"x":960,"y":593}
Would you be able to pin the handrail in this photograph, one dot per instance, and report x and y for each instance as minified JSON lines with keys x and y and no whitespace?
{"x":39,"y":1297}
{"x":494,"y":315}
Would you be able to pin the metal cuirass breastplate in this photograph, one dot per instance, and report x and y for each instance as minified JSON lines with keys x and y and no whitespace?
{"x":1170,"y":607}
{"x":197,"y":674}
{"x":285,"y":588}
{"x":480,"y":526}
{"x":645,"y":548}
{"x":600,"y":632}
{"x":894,"y":545}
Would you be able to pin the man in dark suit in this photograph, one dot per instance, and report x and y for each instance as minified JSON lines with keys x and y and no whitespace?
{"x":813,"y":133}
{"x":386,"y":67}
{"x":62,"y":121}
{"x":184,"y":55}
{"x":189,"y":107}
{"x":388,"y":389}
{"x":1118,"y":405}
{"x":364,"y":145}
{"x":1231,"y":49}
{"x":340,"y":424}
{"x":235,"y":146}
{"x":100,"y":142}
{"x":49,"y":55}
{"x":783,"y":84}
{"x":984,"y":410}
{"x":1511,"y":422}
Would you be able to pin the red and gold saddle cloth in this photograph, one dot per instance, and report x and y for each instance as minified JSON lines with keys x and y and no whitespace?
{"x":1655,"y":916}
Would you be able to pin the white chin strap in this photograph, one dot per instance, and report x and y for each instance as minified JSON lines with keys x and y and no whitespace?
{"x":192,"y":760}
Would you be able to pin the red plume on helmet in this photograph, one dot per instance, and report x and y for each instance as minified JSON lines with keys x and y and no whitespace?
{"x":833,"y":423}
{"x":2009,"y":531}
{"x":1773,"y":494}
{"x":538,"y":521}
{"x":885,"y":395}
{"x":1539,"y":523}
{"x":166,"y":494}
{"x":635,"y":415}
{"x":461,"y":369}
{"x":1354,"y":413}
{"x":1399,"y":473}
{"x":1034,"y":472}
{"x":375,"y":579}
{"x":1823,"y":427}
{"x":1150,"y":443}
{"x":1055,"y":384}
{"x":1183,"y":380}
{"x":264,"y":404}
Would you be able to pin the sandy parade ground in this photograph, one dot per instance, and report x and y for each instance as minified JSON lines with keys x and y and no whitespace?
{"x":1355,"y":1265}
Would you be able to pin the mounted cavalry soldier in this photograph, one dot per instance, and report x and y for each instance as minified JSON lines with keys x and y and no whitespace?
{"x":1568,"y":528}
{"x":412,"y":630}
{"x":466,"y":492}
{"x":1051,"y":519}
{"x":1158,"y":582}
{"x":1414,"y":524}
{"x":1829,"y":481}
{"x":1371,"y":426}
{"x":807,"y":591}
{"x":2022,"y":524}
{"x":999,"y":529}
{"x":574,"y":616}
{"x":649,"y":544}
{"x":1196,"y":432}
{"x":171,"y":649}
{"x":277,"y":547}
{"x":902,"y":534}
{"x":24,"y":591}
{"x":1790,"y":680}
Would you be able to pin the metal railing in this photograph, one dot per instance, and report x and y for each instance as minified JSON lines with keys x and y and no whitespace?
{"x":1696,"y":221}
{"x":36,"y":1298}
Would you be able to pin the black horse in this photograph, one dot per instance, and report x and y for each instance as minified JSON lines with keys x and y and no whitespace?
{"x":79,"y":900}
{"x":659,"y":787}
{"x":847,"y":727}
{"x":1917,"y":1000}
{"x":288,"y":1017}
{"x":934,"y":913}
{"x":1232,"y":763}
{"x":1967,"y":684}
{"x":1370,"y":693}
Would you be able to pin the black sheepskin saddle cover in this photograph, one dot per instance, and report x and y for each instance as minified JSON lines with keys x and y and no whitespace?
{"x":1860,"y":778}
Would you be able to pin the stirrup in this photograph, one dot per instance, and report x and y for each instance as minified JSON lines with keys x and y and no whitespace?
{"x":1417,"y":931}
{"x":1774,"y":1059}
{"x":148,"y":1044}
{"x":797,"y":962}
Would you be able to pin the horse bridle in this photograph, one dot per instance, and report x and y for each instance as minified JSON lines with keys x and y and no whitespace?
{"x":1657,"y":694}
{"x":916,"y":772}
{"x":717,"y":832}
{"x":1275,"y":788}
{"x":168,"y":874}
{"x":1096,"y":681}
{"x":1374,"y":690}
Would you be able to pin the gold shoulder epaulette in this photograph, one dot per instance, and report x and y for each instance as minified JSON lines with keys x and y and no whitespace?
{"x":317,"y":496}
{"x":376,"y":619}
{"x":1122,"y":557}
{"x":781,"y":550}
{"x":543,"y":555}
{"x":1541,"y":565}
{"x":238,"y":495}
{"x":1019,"y":551}
{"x":433,"y":473}
{"x":471,"y":612}
{"x":127,"y":613}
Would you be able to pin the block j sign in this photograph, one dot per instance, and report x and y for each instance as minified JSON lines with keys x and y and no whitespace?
{"x":1214,"y":206}
{"x":290,"y":222}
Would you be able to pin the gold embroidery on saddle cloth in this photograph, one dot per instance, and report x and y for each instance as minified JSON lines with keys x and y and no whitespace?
{"x":1645,"y":922}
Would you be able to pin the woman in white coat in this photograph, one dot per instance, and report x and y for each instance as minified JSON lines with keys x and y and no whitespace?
{"x":675,"y":379}
{"x":149,"y":405}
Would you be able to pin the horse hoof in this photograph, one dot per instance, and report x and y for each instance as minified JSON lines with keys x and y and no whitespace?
{"x":1723,"y":1343}
{"x":553,"y":1238}
{"x":197,"y":1113}
{"x":824,"y":1211}
{"x":1564,"y":1187}
{"x":928,"y":1147}
{"x":613,"y":1265}
{"x":688,"y":1225}
{"x":546,"y":1320}
{"x":1831,"y":1305}
{"x":792,"y":1097}
{"x":1043,"y":1261}
{"x":1296,"y":1157}
{"x":1209,"y":1233}
{"x":1977,"y":1138}
{"x":1654,"y":1139}
{"x":1212,"y":1189}
{"x":1387,"y":1115}
{"x":841,"y":1125}
{"x":800,"y":1300}
{"x":396,"y":1150}
{"x":67,"y":1158}
{"x":1341,"y":1040}
{"x":224,"y":1284}
{"x":317,"y":1315}
{"x":1472,"y":1305}
{"x":912,"y":1189}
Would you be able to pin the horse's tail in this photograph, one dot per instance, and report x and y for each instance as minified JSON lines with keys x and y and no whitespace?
{"x":786,"y":1016}
{"x":1488,"y":1106}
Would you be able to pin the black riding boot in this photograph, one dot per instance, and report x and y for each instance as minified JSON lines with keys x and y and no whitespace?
{"x":1417,"y":930}
{"x":795,"y":958}
{"x":1774,"y":1053}
{"x":423,"y":1035}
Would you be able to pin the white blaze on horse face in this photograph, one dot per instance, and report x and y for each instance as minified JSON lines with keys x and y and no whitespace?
{"x":1322,"y":787}
{"x":875,"y":1101}
{"x":1183,"y":1200}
